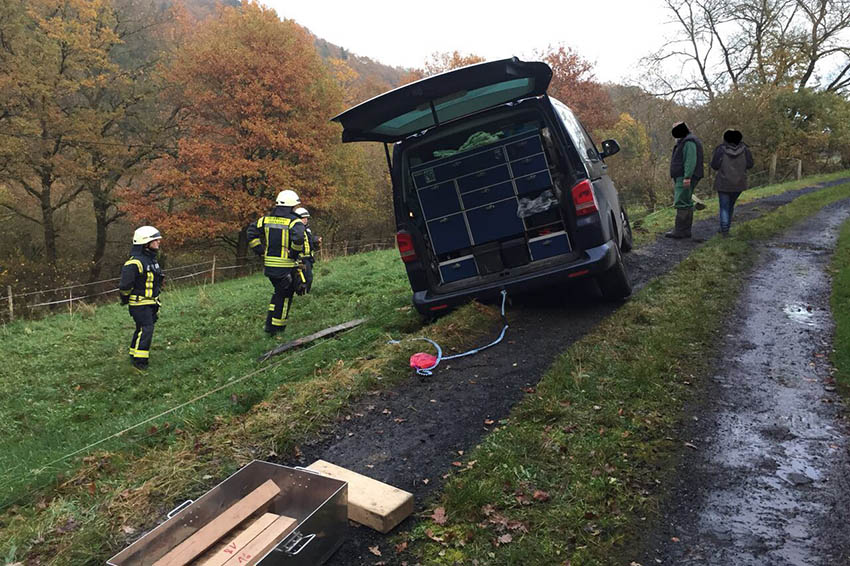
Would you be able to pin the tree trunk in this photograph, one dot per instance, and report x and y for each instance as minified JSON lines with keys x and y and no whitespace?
{"x":101,"y":226}
{"x":50,"y":232}
{"x":242,"y":247}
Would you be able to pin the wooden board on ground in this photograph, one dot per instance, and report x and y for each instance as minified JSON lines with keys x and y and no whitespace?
{"x":207,"y":535}
{"x":239,"y":538}
{"x":370,"y":502}
{"x":307,"y":339}
{"x":263,"y":543}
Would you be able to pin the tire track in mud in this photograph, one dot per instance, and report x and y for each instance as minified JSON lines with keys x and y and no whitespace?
{"x":444,"y":413}
{"x":770,"y":483}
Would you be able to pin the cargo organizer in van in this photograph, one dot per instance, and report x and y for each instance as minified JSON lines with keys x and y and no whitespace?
{"x":470,"y":205}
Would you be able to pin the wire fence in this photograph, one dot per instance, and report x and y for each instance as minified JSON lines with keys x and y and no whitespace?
{"x":33,"y":304}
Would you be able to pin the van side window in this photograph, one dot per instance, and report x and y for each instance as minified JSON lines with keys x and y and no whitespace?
{"x":583,"y":143}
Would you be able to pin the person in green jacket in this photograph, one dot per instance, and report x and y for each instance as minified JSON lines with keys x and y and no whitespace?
{"x":686,"y":169}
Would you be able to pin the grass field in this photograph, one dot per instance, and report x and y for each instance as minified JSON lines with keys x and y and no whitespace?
{"x":68,"y":380}
{"x":68,"y":383}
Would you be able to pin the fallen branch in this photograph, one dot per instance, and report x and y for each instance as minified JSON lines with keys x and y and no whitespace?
{"x":307,"y":339}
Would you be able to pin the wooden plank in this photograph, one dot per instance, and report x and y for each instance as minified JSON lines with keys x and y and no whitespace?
{"x":207,"y":535}
{"x":370,"y":502}
{"x":263,"y":543}
{"x":224,"y":551}
{"x":307,"y":339}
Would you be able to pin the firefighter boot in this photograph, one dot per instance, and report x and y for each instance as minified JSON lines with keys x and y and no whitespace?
{"x":682,"y":228}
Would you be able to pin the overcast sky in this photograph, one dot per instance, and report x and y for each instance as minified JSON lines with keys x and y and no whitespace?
{"x":614,"y":34}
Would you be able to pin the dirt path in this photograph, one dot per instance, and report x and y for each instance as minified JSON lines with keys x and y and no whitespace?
{"x":769,"y":482}
{"x":409,"y":436}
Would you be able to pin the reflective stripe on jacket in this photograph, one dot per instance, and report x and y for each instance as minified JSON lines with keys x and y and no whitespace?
{"x":282,"y":236}
{"x":141,"y":277}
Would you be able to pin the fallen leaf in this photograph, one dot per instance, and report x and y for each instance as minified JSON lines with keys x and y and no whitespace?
{"x":488,"y":422}
{"x":430,"y":534}
{"x":386,"y":412}
{"x":457,"y":464}
{"x":375,"y":550}
{"x":675,"y":539}
{"x":128,"y":530}
{"x":401,"y":547}
{"x":540,"y":495}
{"x":597,"y":408}
{"x":505,"y":539}
{"x":439,"y":515}
{"x":425,"y":481}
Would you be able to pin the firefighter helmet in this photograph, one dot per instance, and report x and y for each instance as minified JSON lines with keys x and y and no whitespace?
{"x":287,"y":198}
{"x":302,"y":212}
{"x":146,"y":235}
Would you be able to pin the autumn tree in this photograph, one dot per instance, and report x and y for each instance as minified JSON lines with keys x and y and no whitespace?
{"x":53,"y":54}
{"x":256,"y":99}
{"x":574,"y":84}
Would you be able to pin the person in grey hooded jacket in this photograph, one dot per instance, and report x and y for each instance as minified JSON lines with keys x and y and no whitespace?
{"x":731,"y":160}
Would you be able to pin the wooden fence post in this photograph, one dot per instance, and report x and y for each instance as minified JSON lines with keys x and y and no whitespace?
{"x":771,"y":175}
{"x":11,"y":304}
{"x":212,"y":275}
{"x":799,"y":169}
{"x":70,"y":302}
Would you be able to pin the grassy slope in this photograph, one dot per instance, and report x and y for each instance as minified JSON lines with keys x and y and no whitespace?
{"x":841,"y":308}
{"x":74,"y":371}
{"x":569,"y":477}
{"x":647,"y":226}
{"x":69,"y":381}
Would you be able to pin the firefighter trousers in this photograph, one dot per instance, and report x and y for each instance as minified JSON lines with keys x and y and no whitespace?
{"x":281,"y":302}
{"x":145,"y":317}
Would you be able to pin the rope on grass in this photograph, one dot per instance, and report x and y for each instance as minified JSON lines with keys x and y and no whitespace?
{"x":43,"y":467}
{"x":430,"y":370}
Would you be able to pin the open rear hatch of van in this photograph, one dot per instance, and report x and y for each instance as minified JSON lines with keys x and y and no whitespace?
{"x":437,"y":100}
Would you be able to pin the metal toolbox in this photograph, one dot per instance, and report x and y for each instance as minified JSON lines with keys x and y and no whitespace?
{"x":319,"y":504}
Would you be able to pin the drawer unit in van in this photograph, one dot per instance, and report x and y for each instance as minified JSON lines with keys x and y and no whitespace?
{"x":549,"y":245}
{"x":471,"y":199}
{"x":457,"y":269}
{"x":494,"y":221}
{"x":448,"y":234}
{"x":439,"y":200}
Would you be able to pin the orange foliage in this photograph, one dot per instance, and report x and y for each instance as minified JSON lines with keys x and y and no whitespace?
{"x":256,"y":99}
{"x":574,"y":84}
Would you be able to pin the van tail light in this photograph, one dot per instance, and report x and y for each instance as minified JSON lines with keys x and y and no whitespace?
{"x":405,"y":246}
{"x":584,"y":199}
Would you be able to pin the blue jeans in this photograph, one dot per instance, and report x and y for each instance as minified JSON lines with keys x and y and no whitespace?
{"x":727,"y":205}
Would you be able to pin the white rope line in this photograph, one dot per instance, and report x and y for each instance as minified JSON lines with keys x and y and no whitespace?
{"x":182,"y":405}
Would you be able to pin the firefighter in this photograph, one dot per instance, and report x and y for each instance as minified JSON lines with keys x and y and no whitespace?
{"x":311,"y":245}
{"x":279,"y":238}
{"x":141,"y":282}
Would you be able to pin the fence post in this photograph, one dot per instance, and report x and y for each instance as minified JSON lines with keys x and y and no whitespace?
{"x":799,"y":169}
{"x":70,"y":302}
{"x":212,"y":275}
{"x":771,"y":176}
{"x":11,"y":304}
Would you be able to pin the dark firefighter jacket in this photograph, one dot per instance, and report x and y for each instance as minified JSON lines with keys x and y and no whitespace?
{"x":311,"y":244}
{"x":141,"y":277}
{"x":279,"y":237}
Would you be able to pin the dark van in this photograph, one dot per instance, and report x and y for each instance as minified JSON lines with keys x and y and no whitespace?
{"x":495,"y":184}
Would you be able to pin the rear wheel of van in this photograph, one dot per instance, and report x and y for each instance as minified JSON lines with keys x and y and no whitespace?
{"x":628,"y":243}
{"x":614,"y":283}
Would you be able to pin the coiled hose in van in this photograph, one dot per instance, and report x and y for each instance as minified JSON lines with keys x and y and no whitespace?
{"x":430,"y":370}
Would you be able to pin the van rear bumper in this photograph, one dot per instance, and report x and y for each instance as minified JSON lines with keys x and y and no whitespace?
{"x":593,"y":261}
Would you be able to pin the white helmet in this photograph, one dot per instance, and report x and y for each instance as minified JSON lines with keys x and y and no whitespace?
{"x":302,"y":212}
{"x":287,"y":198}
{"x":146,"y":235}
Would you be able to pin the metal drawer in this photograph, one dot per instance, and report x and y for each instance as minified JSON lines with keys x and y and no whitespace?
{"x":549,"y":245}
{"x":319,"y":505}
{"x":456,"y":269}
